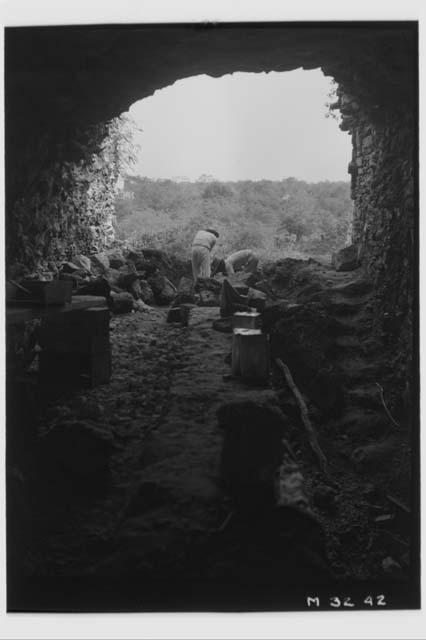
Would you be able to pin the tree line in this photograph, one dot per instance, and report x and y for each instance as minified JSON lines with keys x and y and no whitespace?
{"x":275,"y":218}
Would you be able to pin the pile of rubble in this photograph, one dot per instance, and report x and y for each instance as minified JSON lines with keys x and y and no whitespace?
{"x":133,"y":281}
{"x":128,"y":280}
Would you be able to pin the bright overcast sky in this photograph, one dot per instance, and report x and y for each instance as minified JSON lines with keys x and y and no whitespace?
{"x":244,"y":126}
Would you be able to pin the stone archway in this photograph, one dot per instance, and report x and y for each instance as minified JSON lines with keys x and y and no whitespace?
{"x":62,"y":80}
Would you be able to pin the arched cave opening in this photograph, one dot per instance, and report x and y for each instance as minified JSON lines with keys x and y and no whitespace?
{"x":222,"y":152}
{"x":150,"y":463}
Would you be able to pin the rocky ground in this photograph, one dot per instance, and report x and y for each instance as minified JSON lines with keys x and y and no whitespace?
{"x":133,"y":486}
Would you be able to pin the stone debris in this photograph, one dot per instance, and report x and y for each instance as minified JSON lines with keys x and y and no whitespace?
{"x":116,"y":259}
{"x":143,"y":275}
{"x":146,"y":293}
{"x":180,"y":314}
{"x":164,"y":291}
{"x":121,"y":302}
{"x":346,"y":259}
{"x":139,"y":305}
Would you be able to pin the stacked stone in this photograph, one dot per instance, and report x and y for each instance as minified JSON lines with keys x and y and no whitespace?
{"x":384,"y":219}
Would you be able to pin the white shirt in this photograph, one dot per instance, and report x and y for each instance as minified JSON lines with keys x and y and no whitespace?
{"x":204,"y":239}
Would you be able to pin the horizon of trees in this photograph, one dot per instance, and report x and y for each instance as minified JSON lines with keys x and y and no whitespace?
{"x":274,"y":218}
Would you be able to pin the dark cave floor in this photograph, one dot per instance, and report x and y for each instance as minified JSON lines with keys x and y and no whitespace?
{"x":149,"y":504}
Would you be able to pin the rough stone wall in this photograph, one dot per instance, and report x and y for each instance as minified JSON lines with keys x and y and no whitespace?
{"x":385,"y":216}
{"x":67,"y":207}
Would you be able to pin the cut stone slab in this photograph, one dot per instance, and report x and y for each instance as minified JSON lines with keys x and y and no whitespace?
{"x":84,"y":302}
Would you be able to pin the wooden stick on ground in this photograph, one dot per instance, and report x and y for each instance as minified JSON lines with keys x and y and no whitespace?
{"x":388,"y":413}
{"x":312,"y":436}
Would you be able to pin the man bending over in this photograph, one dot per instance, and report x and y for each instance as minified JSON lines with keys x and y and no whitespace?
{"x":244,"y":260}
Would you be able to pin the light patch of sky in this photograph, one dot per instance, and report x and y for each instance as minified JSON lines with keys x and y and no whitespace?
{"x":243,"y":126}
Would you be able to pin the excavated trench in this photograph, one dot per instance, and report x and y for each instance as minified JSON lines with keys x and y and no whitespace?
{"x":138,"y":493}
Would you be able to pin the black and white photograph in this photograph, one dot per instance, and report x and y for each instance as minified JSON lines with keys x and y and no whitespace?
{"x":212,"y":317}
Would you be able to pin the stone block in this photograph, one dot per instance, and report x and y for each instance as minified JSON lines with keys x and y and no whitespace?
{"x":112,"y":276}
{"x":250,"y":355}
{"x":121,"y":302}
{"x":164,"y":291}
{"x":146,"y":294}
{"x":185,"y":291}
{"x":179,"y":314}
{"x":208,"y":298}
{"x":116,"y":259}
{"x":346,"y":259}
{"x":96,"y":287}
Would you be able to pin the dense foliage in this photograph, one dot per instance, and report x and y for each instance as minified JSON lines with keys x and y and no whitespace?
{"x":69,"y":206}
{"x":289,"y":217}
